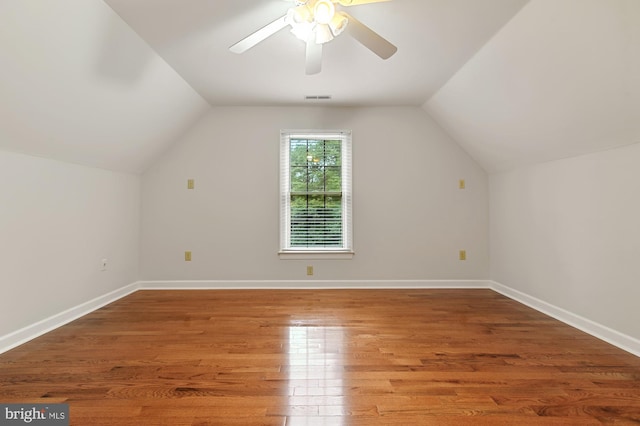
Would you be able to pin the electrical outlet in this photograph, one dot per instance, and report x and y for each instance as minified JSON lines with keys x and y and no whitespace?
{"x":463,"y":255}
{"x":191,"y":184}
{"x":187,"y":256}
{"x":309,"y":270}
{"x":462,"y":184}
{"x":103,"y":264}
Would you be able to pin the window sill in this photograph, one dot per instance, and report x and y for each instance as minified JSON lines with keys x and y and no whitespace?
{"x":315,"y":255}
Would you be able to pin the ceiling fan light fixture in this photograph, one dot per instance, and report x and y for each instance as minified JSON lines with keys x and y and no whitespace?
{"x":324,"y":11}
{"x":317,"y":20}
{"x":300,"y":14}
{"x":338,"y":24}
{"x":302,"y":31}
{"x":323,"y":34}
{"x":301,"y":27}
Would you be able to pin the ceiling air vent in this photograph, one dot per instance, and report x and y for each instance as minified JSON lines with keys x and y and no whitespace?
{"x":317,"y":97}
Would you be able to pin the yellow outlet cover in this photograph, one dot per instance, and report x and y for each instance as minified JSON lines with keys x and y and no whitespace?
{"x":462,"y":184}
{"x":309,"y":270}
{"x":187,"y":256}
{"x":191,"y":184}
{"x":463,"y":255}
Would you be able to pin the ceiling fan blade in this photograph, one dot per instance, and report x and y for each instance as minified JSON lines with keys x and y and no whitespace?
{"x":314,"y":57}
{"x":372,"y":40}
{"x":358,"y":2}
{"x":260,"y":35}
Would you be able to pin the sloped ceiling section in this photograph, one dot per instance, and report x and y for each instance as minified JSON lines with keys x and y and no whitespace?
{"x":78,"y":85}
{"x":561,"y":79}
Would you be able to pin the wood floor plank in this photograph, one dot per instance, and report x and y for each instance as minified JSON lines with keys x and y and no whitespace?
{"x":324,"y":357}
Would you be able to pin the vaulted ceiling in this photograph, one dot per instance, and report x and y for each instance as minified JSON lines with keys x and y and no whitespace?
{"x":77,"y":84}
{"x":113,"y":83}
{"x":561,"y":79}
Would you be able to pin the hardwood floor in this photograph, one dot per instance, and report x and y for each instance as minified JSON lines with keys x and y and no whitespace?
{"x":330,"y":357}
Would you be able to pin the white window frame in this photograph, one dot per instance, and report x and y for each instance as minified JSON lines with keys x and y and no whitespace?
{"x":288,"y":252}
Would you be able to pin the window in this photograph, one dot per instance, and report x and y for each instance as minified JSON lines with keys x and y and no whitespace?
{"x":315,"y":194}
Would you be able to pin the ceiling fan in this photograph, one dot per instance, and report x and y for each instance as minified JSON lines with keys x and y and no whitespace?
{"x":317,"y":22}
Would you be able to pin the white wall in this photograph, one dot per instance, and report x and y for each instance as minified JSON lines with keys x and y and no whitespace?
{"x":568,"y":232}
{"x":57,"y":221}
{"x":410,"y":218}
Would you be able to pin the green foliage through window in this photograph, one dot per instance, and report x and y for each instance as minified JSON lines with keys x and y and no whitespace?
{"x":316,"y":192}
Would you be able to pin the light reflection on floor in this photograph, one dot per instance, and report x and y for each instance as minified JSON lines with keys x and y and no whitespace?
{"x":316,"y":383}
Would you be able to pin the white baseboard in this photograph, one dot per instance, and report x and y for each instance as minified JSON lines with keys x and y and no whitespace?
{"x":309,"y":284}
{"x":620,"y":340}
{"x":30,"y":332}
